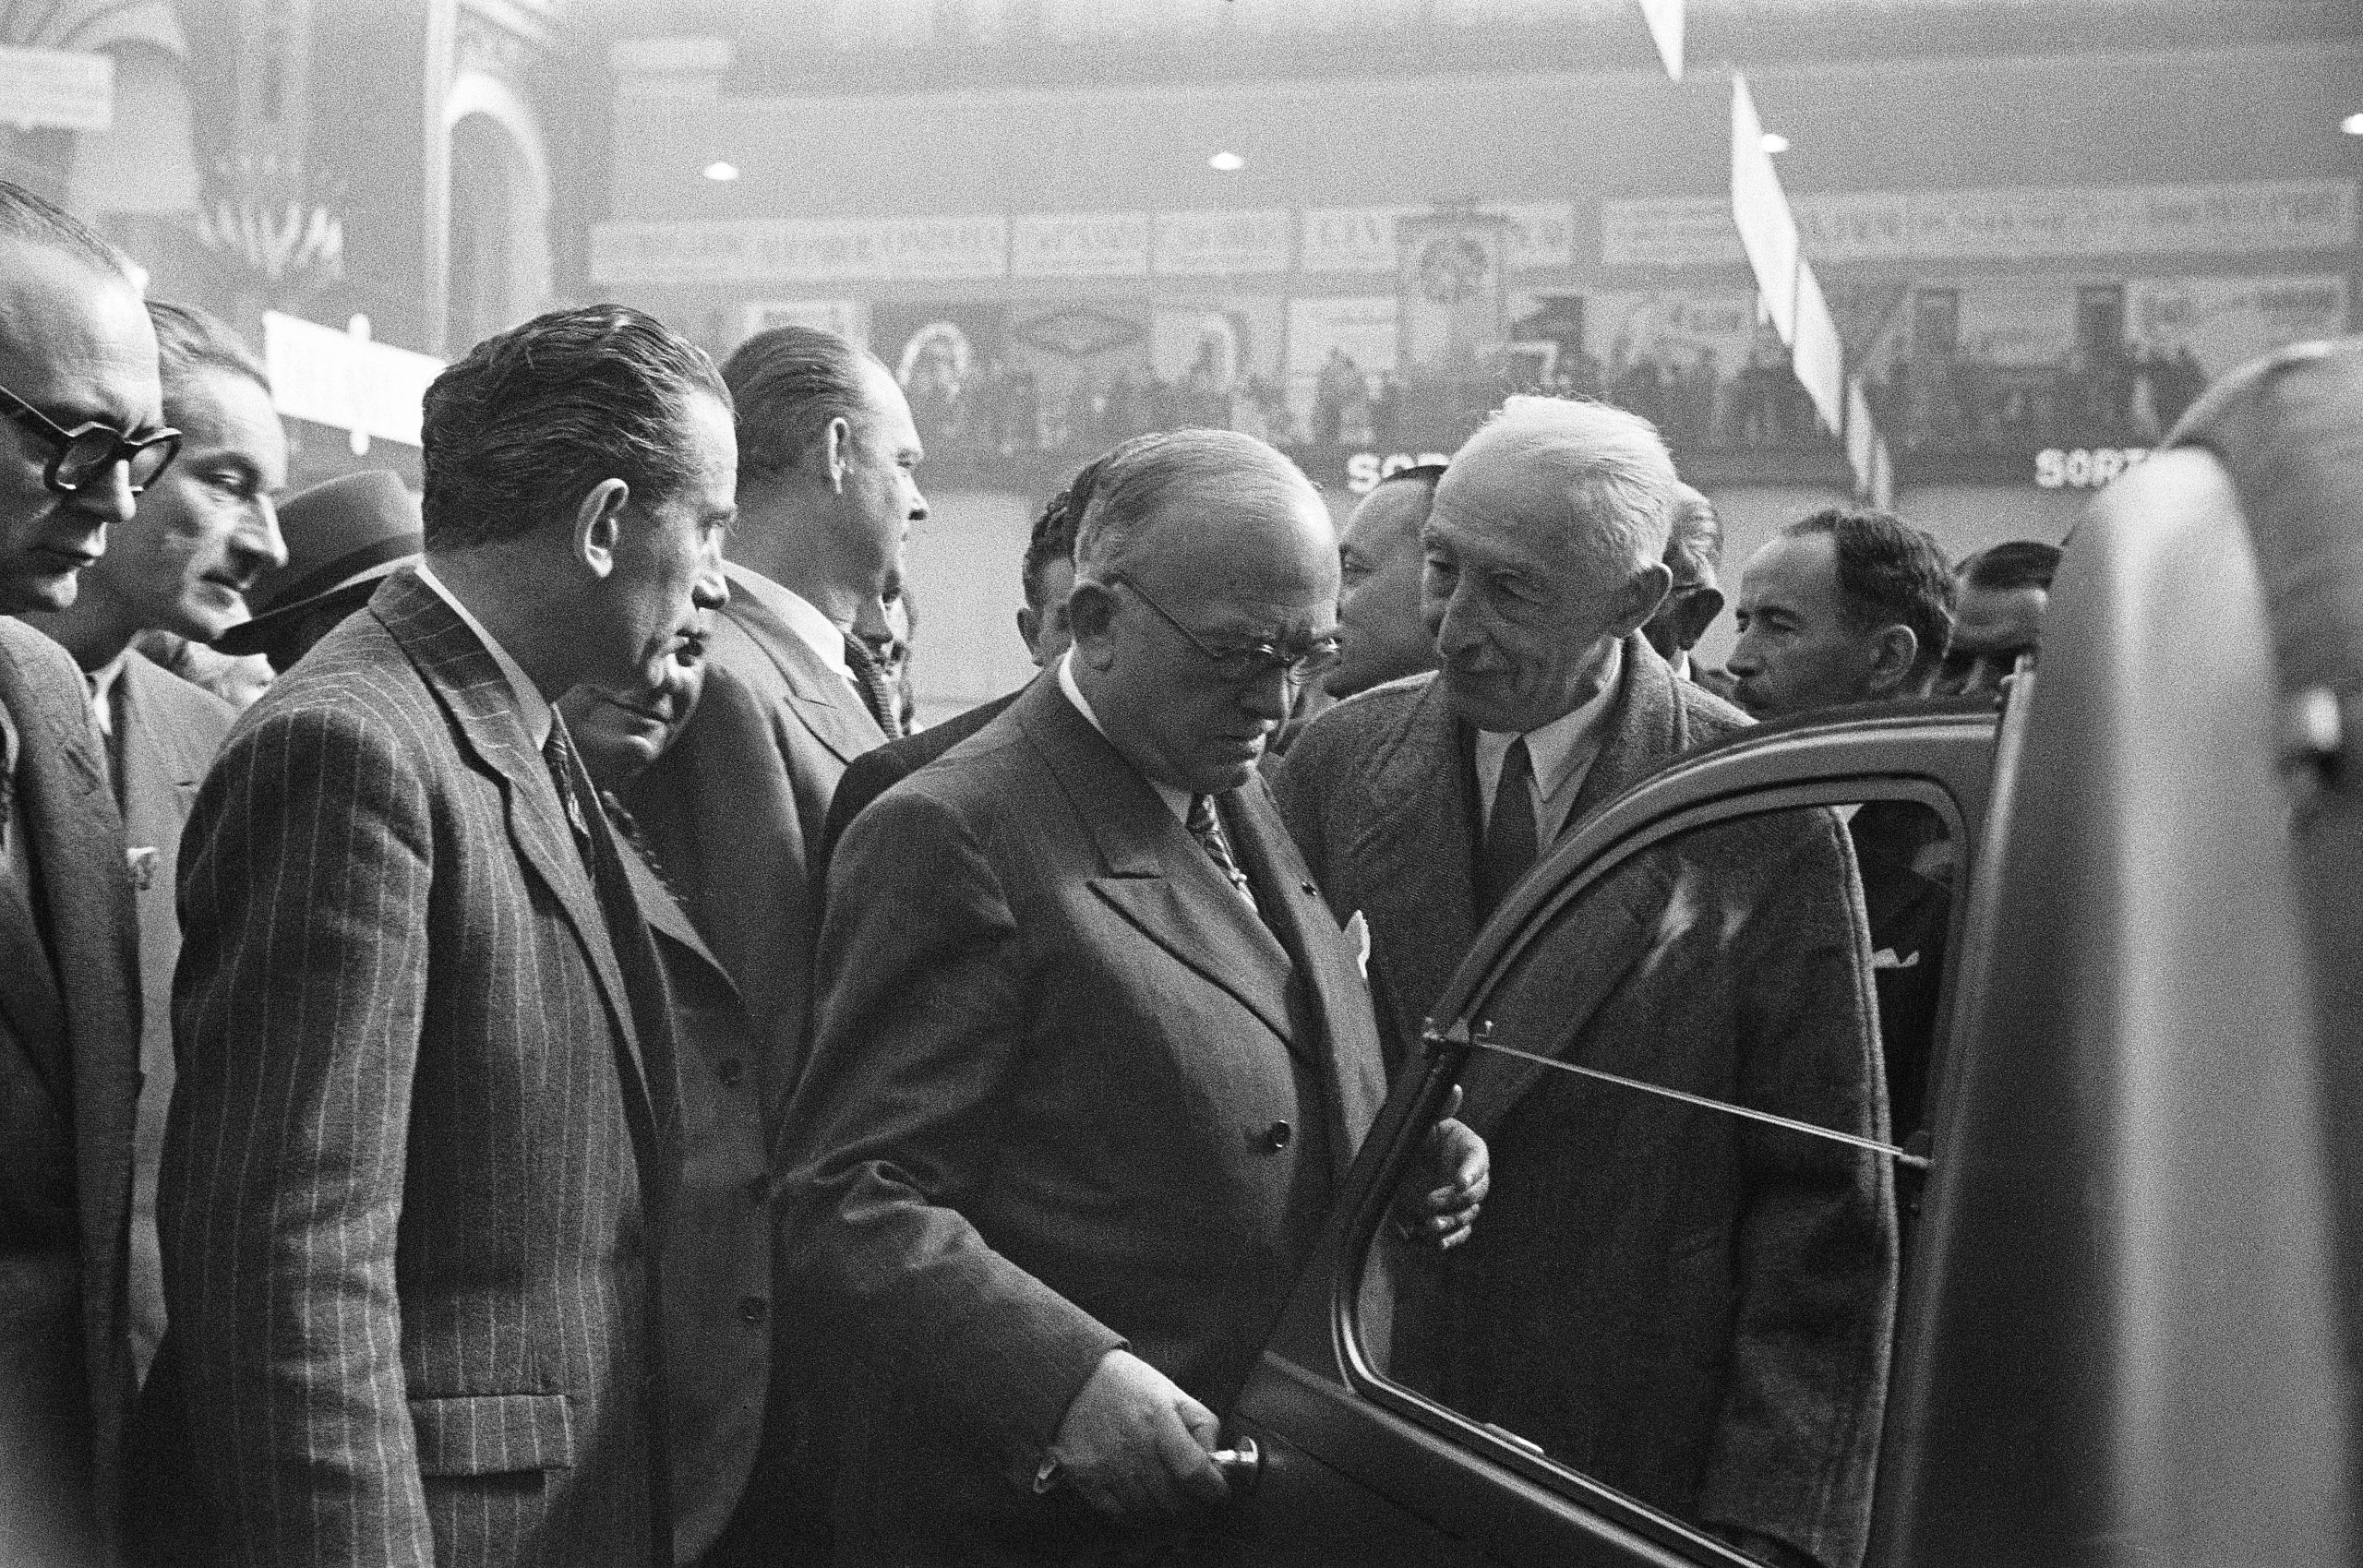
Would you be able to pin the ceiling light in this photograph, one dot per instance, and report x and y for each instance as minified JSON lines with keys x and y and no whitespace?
{"x":1227,"y":162}
{"x":1775,"y":142}
{"x":724,"y":172}
{"x":2352,"y":125}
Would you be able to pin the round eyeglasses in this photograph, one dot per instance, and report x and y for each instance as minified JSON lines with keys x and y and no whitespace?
{"x":1255,"y":661}
{"x":84,"y":454}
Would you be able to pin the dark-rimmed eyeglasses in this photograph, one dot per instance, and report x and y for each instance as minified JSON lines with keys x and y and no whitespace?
{"x":84,"y":454}
{"x":1252,"y":661}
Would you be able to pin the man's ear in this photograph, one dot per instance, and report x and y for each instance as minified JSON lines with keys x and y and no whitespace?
{"x":1639,"y":598}
{"x":1029,"y":626}
{"x":1090,"y":610}
{"x":836,"y":451}
{"x":599,"y":525}
{"x":1894,"y":650}
{"x":1694,"y":612}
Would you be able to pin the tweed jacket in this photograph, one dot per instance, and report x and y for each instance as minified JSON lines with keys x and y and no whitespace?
{"x":734,"y":811}
{"x":69,"y":1079}
{"x":168,"y":730}
{"x":421,"y":1132}
{"x":1692,"y":1308}
{"x":1067,"y":1093}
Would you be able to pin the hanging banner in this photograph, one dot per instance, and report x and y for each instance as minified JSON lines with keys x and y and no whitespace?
{"x":795,"y":250}
{"x":1079,"y":245}
{"x":1664,"y":17}
{"x":1453,"y":288}
{"x":344,"y":381}
{"x":1362,"y":239}
{"x":1767,"y":233}
{"x":2249,"y":217}
{"x":1223,"y":243}
{"x":68,"y":89}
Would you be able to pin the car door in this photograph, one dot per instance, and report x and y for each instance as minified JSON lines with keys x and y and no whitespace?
{"x":1379,"y":1437}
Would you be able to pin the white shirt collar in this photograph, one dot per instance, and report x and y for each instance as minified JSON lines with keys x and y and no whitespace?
{"x":1176,"y":800}
{"x":815,"y":630}
{"x":1681,"y":662}
{"x":533,"y":708}
{"x":1561,"y":751}
{"x":102,"y":682}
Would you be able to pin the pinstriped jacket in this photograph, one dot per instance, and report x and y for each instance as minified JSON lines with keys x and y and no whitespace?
{"x":406,"y":1248}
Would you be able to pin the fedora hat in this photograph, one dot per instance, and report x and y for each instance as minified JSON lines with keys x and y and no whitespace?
{"x":339,"y":535}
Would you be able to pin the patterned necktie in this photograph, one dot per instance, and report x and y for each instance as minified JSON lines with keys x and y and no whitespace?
{"x":1509,"y":830}
{"x":1206,"y":828}
{"x":876,"y":694}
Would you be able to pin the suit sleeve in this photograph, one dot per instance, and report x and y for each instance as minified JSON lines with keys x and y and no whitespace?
{"x":1799,"y":1435}
{"x":921,"y":1030}
{"x":297,"y":1009}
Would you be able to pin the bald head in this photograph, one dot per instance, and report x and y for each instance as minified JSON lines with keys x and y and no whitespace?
{"x":1206,"y":570}
{"x":75,"y":346}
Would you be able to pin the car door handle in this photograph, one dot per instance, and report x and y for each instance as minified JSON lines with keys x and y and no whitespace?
{"x":1241,"y":1466}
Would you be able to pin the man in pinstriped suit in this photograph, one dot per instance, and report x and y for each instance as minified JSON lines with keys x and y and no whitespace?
{"x":428,"y":1113}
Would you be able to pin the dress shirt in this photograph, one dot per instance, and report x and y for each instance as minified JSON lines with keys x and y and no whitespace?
{"x":1681,"y":662}
{"x":532,"y":706}
{"x":1563,"y":752}
{"x":1176,"y":800}
{"x":102,"y":682}
{"x":815,"y":630}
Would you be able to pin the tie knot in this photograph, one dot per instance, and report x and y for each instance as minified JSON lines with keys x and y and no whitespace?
{"x":1201,"y":814}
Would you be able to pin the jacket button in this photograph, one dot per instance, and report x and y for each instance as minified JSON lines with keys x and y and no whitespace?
{"x":1276,"y":1137}
{"x":1309,"y":888}
{"x":753,"y":1308}
{"x":730,"y":1071}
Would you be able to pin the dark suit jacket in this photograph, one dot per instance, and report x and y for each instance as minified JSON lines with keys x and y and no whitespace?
{"x":167,"y":732}
{"x":734,"y":812}
{"x":873,"y":773}
{"x":1067,"y":1091}
{"x":419,"y":1136}
{"x":69,"y":1081}
{"x":1690,"y":1307}
{"x":717,"y":1266}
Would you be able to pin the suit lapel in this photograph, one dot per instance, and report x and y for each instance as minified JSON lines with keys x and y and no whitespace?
{"x":825,"y":705}
{"x":459,"y":671}
{"x":1644,"y":729}
{"x":1347,"y":1039}
{"x":1416,"y":862}
{"x":1158,"y":877}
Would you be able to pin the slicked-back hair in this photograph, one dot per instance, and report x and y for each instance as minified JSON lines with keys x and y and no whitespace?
{"x":2018,"y":563}
{"x":787,"y":383}
{"x":28,"y":218}
{"x":1888,"y":572}
{"x":1053,"y":538}
{"x":1601,"y":474}
{"x":189,"y":342}
{"x":1145,"y":472}
{"x":1694,"y":545}
{"x":517,"y":433}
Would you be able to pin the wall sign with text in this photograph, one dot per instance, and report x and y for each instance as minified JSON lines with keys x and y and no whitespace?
{"x":2084,"y":468}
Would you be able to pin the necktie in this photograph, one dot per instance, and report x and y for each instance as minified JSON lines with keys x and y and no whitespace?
{"x":1207,"y":829}
{"x":876,"y":695}
{"x":1509,"y":830}
{"x":644,"y":976}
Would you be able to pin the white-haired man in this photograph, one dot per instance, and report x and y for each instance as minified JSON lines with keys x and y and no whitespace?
{"x":1641,"y":1310}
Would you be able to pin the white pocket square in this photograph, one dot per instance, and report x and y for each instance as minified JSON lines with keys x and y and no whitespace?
{"x":1358,"y":933}
{"x":1885,"y":959}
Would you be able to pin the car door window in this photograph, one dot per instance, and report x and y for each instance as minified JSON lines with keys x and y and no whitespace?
{"x":1697,"y":1074}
